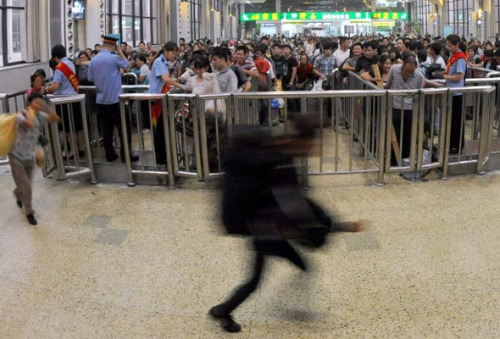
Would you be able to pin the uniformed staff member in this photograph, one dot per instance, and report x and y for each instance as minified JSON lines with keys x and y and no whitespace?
{"x":65,"y":82}
{"x":104,"y":71}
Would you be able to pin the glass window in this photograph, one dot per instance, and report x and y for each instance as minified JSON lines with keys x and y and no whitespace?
{"x":135,"y":20}
{"x":195,"y":9}
{"x":459,"y":16}
{"x":115,"y":6}
{"x":424,"y":10}
{"x":13,"y":32}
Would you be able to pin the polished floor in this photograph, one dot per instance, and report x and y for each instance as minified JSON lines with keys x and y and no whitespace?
{"x":109,"y":261}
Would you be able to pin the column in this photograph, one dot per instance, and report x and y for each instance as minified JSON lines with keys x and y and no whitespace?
{"x":279,"y":23}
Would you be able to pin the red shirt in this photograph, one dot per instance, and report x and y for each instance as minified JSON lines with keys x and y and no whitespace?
{"x":304,"y":72}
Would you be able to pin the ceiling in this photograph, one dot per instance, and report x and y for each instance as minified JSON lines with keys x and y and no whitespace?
{"x":310,"y":5}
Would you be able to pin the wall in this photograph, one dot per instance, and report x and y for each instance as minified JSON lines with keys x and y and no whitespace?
{"x":93,"y":22}
{"x":19,"y":76}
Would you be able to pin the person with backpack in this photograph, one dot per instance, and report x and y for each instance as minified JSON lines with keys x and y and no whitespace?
{"x":263,"y":200}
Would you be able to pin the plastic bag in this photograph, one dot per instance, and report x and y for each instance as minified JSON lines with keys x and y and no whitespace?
{"x":277,"y":103}
{"x":39,"y":157}
{"x":318,"y":86}
{"x":7,"y":133}
{"x":417,"y":175}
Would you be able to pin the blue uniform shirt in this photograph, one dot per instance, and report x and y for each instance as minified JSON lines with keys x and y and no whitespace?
{"x":160,"y":66}
{"x":459,"y":66}
{"x":104,"y":71}
{"x":65,"y":87}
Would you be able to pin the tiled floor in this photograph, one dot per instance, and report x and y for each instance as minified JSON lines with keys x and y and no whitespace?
{"x":108,"y":261}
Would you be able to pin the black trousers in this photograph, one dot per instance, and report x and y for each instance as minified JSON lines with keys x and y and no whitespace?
{"x":263,"y":249}
{"x":110,"y":119}
{"x":63,"y":112}
{"x":159,"y":139}
{"x":404,"y":140}
{"x":456,"y":124}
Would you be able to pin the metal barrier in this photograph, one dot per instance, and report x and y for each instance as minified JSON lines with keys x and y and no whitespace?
{"x":199,"y":133}
{"x":472,"y":146}
{"x":148,"y":163}
{"x":11,"y":102}
{"x":367,"y":157}
{"x":70,"y":166}
{"x":94,"y":121}
{"x":360,"y":139}
{"x":495,"y":82}
{"x":479,"y":73}
{"x":413,"y":131}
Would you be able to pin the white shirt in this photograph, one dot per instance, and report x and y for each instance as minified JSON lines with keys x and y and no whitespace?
{"x":309,"y":49}
{"x":439,"y":60}
{"x":341,"y":56}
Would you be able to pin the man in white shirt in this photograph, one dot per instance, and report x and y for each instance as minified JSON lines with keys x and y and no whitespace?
{"x":434,"y":52}
{"x":309,"y":46}
{"x":343,"y":52}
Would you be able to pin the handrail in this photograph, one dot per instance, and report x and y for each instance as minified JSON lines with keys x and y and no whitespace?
{"x":315,"y":94}
{"x":141,"y":96}
{"x":11,"y":94}
{"x":66,"y":99}
{"x":367,"y":83}
{"x":481,"y":69}
{"x":470,"y":89}
{"x":481,"y":80}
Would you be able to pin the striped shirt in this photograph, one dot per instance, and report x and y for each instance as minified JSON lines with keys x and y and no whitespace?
{"x":396,"y":81}
{"x":325,"y":65}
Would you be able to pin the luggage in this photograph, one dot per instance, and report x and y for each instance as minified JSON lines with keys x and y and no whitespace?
{"x":7,"y":133}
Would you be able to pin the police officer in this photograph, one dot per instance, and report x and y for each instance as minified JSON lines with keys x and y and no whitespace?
{"x":104,"y":71}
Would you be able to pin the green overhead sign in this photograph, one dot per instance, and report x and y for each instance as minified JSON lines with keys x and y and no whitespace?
{"x":297,"y":16}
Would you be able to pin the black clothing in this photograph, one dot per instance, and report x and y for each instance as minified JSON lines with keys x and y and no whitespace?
{"x":278,"y":64}
{"x":81,"y":72}
{"x":110,"y":119}
{"x":288,"y":66}
{"x":364,"y":63}
{"x":76,"y":117}
{"x":240,"y":74}
{"x":262,"y":198}
{"x":456,"y":124}
{"x":404,"y":140}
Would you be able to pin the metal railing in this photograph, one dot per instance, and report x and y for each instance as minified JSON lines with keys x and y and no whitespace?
{"x":148,"y":163}
{"x":64,"y":137}
{"x":495,"y":82}
{"x":10,"y":103}
{"x":356,"y":133}
{"x":13,"y":102}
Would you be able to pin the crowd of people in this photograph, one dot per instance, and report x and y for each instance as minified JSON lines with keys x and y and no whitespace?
{"x":261,"y":197}
{"x":276,"y":63}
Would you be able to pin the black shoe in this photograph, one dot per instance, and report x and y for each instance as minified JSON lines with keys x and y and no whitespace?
{"x":19,"y":203}
{"x":112,"y":157}
{"x":226,"y":320}
{"x":31,"y":219}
